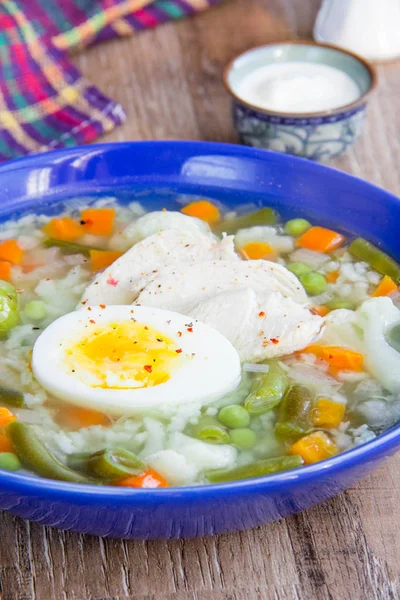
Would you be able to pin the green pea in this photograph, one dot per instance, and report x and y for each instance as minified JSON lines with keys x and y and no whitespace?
{"x":234,"y":416}
{"x":299,"y":268}
{"x":243,"y":438}
{"x":314,"y":283}
{"x":9,"y":462}
{"x":9,"y":315}
{"x":35,"y":310}
{"x":296,"y":227}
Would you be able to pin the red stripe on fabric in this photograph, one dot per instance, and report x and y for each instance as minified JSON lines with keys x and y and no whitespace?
{"x":146,"y":18}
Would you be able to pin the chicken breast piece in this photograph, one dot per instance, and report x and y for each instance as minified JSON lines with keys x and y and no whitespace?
{"x":122,"y":281}
{"x":260,"y":327}
{"x":155,"y":222}
{"x":182,"y":287}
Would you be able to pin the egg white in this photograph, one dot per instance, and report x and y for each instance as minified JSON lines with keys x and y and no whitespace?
{"x":210,"y":366}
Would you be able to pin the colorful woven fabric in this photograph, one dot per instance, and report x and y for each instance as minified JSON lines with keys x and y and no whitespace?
{"x":45,"y":103}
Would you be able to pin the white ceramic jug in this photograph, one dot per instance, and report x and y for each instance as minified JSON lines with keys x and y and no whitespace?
{"x":370,"y":28}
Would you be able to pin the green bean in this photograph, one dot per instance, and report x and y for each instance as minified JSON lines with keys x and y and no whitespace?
{"x":35,"y":456}
{"x":209,"y":430}
{"x":11,"y":397}
{"x":378,"y":260}
{"x":9,"y":314}
{"x":69,"y":247}
{"x":268,"y":391}
{"x":296,"y":227}
{"x":338,"y":303}
{"x":314,"y":283}
{"x":295,"y":413}
{"x":243,"y":438}
{"x":112,"y":464}
{"x":9,"y":462}
{"x":298,"y":268}
{"x":264,"y":216}
{"x":260,"y":468}
{"x":393,"y":337}
{"x":234,"y":416}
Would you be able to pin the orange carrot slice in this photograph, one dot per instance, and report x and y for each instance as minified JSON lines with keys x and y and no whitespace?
{"x":204,"y":210}
{"x":101,"y":259}
{"x":332,"y":277}
{"x":98,"y":221}
{"x":148,"y":479}
{"x":75,"y":417}
{"x":63,"y":228}
{"x":314,"y":447}
{"x":5,"y":270}
{"x":5,"y":443}
{"x":320,"y":239}
{"x":6,"y":416}
{"x":328,"y":413}
{"x":321,"y":310}
{"x":11,"y":252}
{"x":386,"y":286}
{"x":257,"y":250}
{"x":338,"y":358}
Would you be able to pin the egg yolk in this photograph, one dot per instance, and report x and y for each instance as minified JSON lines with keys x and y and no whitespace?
{"x":123,"y":355}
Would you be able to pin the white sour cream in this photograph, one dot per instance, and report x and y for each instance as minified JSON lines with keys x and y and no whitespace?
{"x":298,"y":87}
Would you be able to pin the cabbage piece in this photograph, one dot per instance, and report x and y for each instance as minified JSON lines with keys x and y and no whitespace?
{"x":364,"y":330}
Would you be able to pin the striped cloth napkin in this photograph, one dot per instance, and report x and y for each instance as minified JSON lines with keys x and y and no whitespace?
{"x":45,"y":103}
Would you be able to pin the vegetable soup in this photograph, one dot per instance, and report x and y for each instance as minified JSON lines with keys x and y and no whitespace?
{"x":169,"y":348}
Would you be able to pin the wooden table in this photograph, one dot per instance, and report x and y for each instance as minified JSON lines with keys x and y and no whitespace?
{"x":169,"y":81}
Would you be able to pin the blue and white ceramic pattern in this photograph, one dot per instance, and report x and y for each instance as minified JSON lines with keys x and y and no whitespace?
{"x":317,"y":136}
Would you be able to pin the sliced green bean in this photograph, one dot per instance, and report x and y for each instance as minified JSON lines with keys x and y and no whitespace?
{"x":35,"y":456}
{"x":268,"y":466}
{"x":378,"y":260}
{"x":112,"y":464}
{"x":294,"y":414}
{"x":264,"y":216}
{"x":267,"y":391}
{"x":11,"y":397}
{"x":209,"y":430}
{"x":338,"y":303}
{"x":9,"y":462}
{"x":69,"y":247}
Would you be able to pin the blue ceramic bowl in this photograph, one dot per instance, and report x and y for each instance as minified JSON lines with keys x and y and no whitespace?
{"x":319,"y":136}
{"x":154,"y":173}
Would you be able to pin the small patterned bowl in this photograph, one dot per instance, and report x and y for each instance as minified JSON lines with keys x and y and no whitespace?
{"x":319,"y":136}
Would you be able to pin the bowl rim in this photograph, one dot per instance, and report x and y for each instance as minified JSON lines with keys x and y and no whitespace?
{"x":373,"y":73}
{"x":382,"y":446}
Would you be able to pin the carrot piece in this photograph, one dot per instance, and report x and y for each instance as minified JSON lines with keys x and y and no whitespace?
{"x":321,"y":310}
{"x":5,"y":270}
{"x":204,"y":210}
{"x":11,"y":251}
{"x":314,"y":447}
{"x":63,"y":228}
{"x":101,"y":259}
{"x":148,"y":479}
{"x":332,"y":277}
{"x":74,"y":417}
{"x":5,"y":443}
{"x":6,"y":416}
{"x":98,"y":221}
{"x":385,"y":287}
{"x":328,"y":413}
{"x":320,"y":239}
{"x":338,"y":358}
{"x":257,"y":250}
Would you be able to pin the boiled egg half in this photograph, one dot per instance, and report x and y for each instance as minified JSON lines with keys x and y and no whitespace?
{"x":125,"y":360}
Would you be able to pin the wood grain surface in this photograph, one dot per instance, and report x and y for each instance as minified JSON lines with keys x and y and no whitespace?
{"x":169,"y":81}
